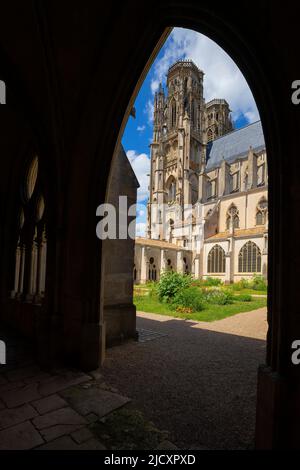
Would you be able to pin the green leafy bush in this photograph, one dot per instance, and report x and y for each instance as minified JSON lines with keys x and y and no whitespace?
{"x":241,"y":284}
{"x":259,"y":283}
{"x":219,"y":297}
{"x":152,"y":292}
{"x":212,"y":281}
{"x":189,"y":298}
{"x":170,"y":283}
{"x":244,"y":298}
{"x":197,"y":282}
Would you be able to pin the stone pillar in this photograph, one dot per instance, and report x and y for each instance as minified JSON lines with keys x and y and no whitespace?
{"x":33,"y":269}
{"x":162,"y":261}
{"x":264,"y":257}
{"x":197,"y":268}
{"x":40,"y":268}
{"x":228,"y":268}
{"x":186,"y":188}
{"x":252,"y":169}
{"x":179,"y":262}
{"x":144,"y":265}
{"x":21,"y":270}
{"x":17,"y":271}
{"x":223,"y":180}
{"x":28,"y":264}
{"x":229,"y":262}
{"x":202,"y":187}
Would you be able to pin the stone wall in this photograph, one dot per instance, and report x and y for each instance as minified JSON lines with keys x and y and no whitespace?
{"x":118,"y":258}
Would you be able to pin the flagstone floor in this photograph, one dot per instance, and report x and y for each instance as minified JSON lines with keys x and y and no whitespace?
{"x":195,"y":381}
{"x":50,"y":410}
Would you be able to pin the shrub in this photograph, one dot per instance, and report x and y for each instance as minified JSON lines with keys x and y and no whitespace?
{"x":197,"y":282}
{"x":189,"y":298}
{"x":241,"y":284}
{"x":259,"y":283}
{"x":244,"y":297}
{"x":219,"y":297}
{"x":184,"y":310}
{"x":170,"y":283}
{"x":212,"y":281}
{"x":152,"y":290}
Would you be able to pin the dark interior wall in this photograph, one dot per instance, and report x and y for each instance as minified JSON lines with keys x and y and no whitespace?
{"x":71,"y":68}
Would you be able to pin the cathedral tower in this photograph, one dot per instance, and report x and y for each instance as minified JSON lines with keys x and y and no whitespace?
{"x":218,"y":121}
{"x":183,"y":124}
{"x":178,"y":147}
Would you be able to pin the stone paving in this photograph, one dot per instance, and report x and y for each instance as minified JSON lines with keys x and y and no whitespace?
{"x":198,"y":381}
{"x":50,"y":410}
{"x":148,"y":335}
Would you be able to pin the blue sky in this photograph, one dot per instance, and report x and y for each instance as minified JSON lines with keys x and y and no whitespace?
{"x":222,"y":79}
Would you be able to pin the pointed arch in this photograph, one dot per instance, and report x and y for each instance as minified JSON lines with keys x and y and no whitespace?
{"x":216,"y":260}
{"x":173,"y":116}
{"x":232,"y":216}
{"x":250,"y":258}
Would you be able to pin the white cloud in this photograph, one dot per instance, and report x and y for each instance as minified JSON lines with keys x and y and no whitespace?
{"x":140,"y":128}
{"x":222,"y":78}
{"x":149,"y":110}
{"x":154,"y":85}
{"x":141,"y":166}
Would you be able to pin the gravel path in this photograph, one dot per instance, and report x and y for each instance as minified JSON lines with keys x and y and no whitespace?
{"x":198,"y":381}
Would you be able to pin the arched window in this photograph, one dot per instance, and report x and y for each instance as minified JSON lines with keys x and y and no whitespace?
{"x":261,"y":175}
{"x":173,"y":113}
{"x":172,"y":192}
{"x":236,"y":221}
{"x":250,"y":258}
{"x":259,"y":218}
{"x":209,"y":135}
{"x":193,"y":189}
{"x":152,"y":270}
{"x":31,"y":249}
{"x":171,"y":228}
{"x":216,"y":260}
{"x":31,"y":178}
{"x":193,"y":114}
{"x":232,"y":214}
{"x":262,"y":210}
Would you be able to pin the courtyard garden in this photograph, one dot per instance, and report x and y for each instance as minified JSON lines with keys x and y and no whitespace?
{"x":181,"y":296}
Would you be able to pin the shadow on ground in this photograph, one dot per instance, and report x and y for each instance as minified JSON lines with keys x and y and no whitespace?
{"x":199,"y":385}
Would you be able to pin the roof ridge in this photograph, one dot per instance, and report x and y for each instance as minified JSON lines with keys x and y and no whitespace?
{"x":236,"y":130}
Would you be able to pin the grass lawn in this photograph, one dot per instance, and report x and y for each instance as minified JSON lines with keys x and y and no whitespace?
{"x":143,"y":289}
{"x":247,"y":291}
{"x":210,"y":312}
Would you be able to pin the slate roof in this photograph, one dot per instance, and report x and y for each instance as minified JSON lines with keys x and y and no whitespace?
{"x":235,"y":144}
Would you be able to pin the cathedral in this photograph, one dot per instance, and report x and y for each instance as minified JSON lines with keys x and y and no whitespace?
{"x":208,"y":205}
